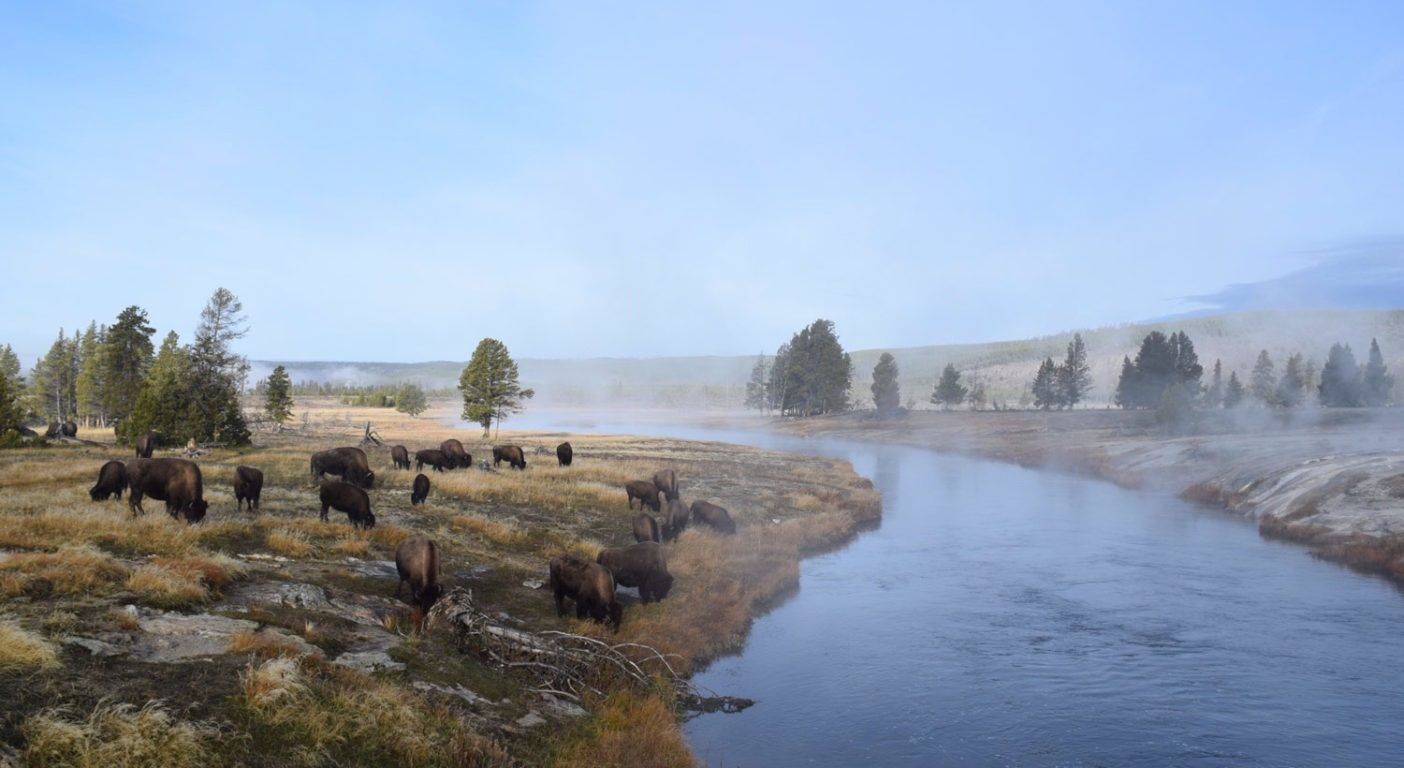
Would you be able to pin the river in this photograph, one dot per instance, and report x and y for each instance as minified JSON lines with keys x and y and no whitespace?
{"x":1009,"y":616}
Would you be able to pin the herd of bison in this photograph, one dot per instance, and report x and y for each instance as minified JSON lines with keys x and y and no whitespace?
{"x":591,"y":585}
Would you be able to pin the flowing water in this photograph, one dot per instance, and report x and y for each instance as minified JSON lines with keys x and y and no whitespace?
{"x":1008,"y":616}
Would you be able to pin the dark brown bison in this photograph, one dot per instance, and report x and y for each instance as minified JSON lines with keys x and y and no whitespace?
{"x":644,"y":491}
{"x":345,"y":497}
{"x":433,"y":458}
{"x":417,"y":560}
{"x":641,"y":565}
{"x":112,"y":480}
{"x":347,"y":463}
{"x":400,"y":455}
{"x":511,"y":454}
{"x":147,"y":444}
{"x":177,"y":482}
{"x":589,"y":584}
{"x":248,"y":486}
{"x":565,"y":454}
{"x":421,"y":490}
{"x":676,"y":520}
{"x":645,"y":527}
{"x":457,"y":457}
{"x":68,"y":429}
{"x":709,"y":514}
{"x":666,"y":481}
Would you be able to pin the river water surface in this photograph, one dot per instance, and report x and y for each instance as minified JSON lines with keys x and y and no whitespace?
{"x":1009,"y":616}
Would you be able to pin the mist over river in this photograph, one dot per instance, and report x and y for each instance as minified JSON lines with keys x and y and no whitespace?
{"x":1010,"y":616}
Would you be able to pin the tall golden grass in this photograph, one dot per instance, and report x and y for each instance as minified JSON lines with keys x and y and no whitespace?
{"x":120,"y":736}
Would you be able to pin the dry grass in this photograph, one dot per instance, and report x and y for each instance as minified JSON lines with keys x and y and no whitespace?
{"x":353,"y":547}
{"x":119,"y":736}
{"x":22,"y":649}
{"x":164,"y":587}
{"x":503,"y":534}
{"x":628,"y":730}
{"x":290,"y":543}
{"x":73,"y":570}
{"x":264,"y":643}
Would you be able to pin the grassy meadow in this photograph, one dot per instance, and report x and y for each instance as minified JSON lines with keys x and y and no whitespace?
{"x":78,"y":575}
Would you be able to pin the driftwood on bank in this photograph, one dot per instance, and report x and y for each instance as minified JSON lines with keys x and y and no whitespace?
{"x":568,"y":665}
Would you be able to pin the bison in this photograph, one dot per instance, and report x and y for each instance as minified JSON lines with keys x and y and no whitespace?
{"x":645,"y":527}
{"x":347,"y":463}
{"x":248,"y":486}
{"x":644,"y":491}
{"x":421,"y":490}
{"x":400,"y":455}
{"x":589,"y":584}
{"x":345,"y":497}
{"x":433,"y":458}
{"x":666,"y":480}
{"x":147,"y":444}
{"x":707,"y":513}
{"x":511,"y":454}
{"x":676,"y":520}
{"x":112,"y":480}
{"x":68,"y":429}
{"x":565,"y":454}
{"x":457,"y":457}
{"x":177,"y":482}
{"x":641,"y":565}
{"x":417,"y":560}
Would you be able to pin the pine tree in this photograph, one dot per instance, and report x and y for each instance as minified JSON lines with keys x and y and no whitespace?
{"x":1291,"y":388}
{"x":1214,"y":395}
{"x":11,"y":414}
{"x":1375,"y":381}
{"x":887,"y":394}
{"x":978,"y":396}
{"x":491,"y":391}
{"x":1263,"y":383}
{"x":163,"y":402}
{"x":757,"y":395}
{"x":53,"y":385}
{"x":125,"y":358}
{"x":1126,"y":385}
{"x":409,"y":398}
{"x":1340,"y":379}
{"x":1187,"y":370}
{"x":1233,"y":392}
{"x":89,"y":383}
{"x":218,"y":372}
{"x":1045,"y":387}
{"x":1075,"y":375}
{"x":815,"y":372}
{"x":949,"y":392}
{"x":277,"y":396}
{"x":775,"y":387}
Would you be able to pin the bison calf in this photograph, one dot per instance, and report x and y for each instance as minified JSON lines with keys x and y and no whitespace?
{"x":590,"y":585}
{"x":421,"y":490}
{"x":400,"y":456}
{"x":417,"y":560}
{"x":345,"y":497}
{"x":645,"y":527}
{"x":641,"y":565}
{"x":644,"y":491}
{"x":248,"y":486}
{"x":709,"y":514}
{"x":146,"y":444}
{"x":112,"y":480}
{"x":565,"y":454}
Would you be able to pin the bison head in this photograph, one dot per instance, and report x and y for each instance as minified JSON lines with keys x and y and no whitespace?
{"x":429,"y":595}
{"x":663,"y":585}
{"x":368,"y":480}
{"x":97,"y":495}
{"x":196,"y":511}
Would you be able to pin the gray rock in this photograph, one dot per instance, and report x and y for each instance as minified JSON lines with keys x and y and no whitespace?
{"x":369,"y":661}
{"x":372,"y":567}
{"x":533,"y":583}
{"x":455,"y":690}
{"x":94,"y":646}
{"x":530,"y":720}
{"x":561,"y":708}
{"x":177,"y":637}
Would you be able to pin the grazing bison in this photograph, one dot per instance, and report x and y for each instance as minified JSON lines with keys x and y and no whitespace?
{"x":345,"y":497}
{"x":565,"y":454}
{"x":589,"y":584}
{"x":248,"y":486}
{"x":641,"y":565}
{"x":400,"y":455}
{"x":511,"y":454}
{"x":676,"y":521}
{"x":417,"y":560}
{"x":147,"y":444}
{"x":177,"y":482}
{"x":666,"y":481}
{"x":644,"y":491}
{"x":645,"y":527}
{"x":433,"y":458}
{"x":707,"y":513}
{"x":421,"y":490}
{"x":347,"y":463}
{"x":457,"y":457}
{"x":112,"y":479}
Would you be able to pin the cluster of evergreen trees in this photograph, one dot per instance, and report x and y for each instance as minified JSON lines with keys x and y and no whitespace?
{"x":113,"y":375}
{"x":1067,"y":384}
{"x":1341,"y":383}
{"x":1162,"y":364}
{"x":810,"y":375}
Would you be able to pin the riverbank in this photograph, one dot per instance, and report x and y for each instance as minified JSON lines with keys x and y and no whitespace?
{"x":1331,"y":480}
{"x":272,"y":638}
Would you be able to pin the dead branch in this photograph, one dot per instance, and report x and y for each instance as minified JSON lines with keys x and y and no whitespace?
{"x":371,"y":437}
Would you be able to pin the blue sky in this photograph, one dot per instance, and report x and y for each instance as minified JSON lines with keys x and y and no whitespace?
{"x":393,"y":182}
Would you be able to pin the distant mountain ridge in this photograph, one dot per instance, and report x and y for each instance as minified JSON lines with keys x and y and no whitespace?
{"x":1006,"y":367}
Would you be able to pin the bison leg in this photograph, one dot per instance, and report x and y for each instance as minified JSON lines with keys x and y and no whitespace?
{"x":324,"y":513}
{"x":560,"y":602}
